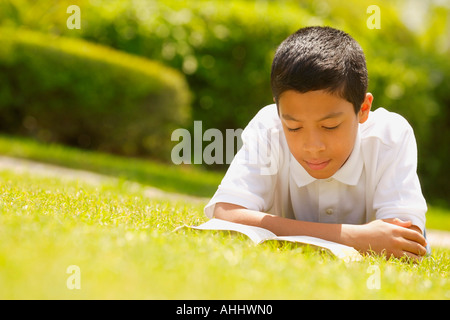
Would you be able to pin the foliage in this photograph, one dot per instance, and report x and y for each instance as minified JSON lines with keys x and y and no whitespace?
{"x":225,"y":57}
{"x":78,"y":93}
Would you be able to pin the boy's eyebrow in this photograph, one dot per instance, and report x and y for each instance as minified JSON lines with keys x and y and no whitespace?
{"x":328,"y":116}
{"x":331,"y":115}
{"x":289,"y":117}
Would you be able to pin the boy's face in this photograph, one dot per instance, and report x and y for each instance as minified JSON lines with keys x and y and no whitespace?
{"x":320,"y":129}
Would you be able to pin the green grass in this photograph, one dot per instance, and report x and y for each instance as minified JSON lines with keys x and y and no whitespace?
{"x":125,"y":248}
{"x":438,"y":218}
{"x":170,"y":178}
{"x":124,"y":244}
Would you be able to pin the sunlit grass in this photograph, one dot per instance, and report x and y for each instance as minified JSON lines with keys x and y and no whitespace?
{"x":438,"y":218}
{"x":123,"y":243}
{"x":187,"y":180}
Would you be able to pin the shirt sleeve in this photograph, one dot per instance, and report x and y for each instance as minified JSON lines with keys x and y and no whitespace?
{"x":249,"y":181}
{"x":398,"y":193}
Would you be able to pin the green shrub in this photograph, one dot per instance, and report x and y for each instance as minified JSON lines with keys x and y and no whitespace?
{"x":224,"y":47}
{"x":74,"y":92}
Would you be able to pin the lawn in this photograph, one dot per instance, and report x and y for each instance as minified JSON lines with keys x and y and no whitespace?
{"x":122,"y":245}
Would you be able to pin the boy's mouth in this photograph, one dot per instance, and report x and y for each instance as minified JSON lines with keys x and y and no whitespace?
{"x":317,"y":164}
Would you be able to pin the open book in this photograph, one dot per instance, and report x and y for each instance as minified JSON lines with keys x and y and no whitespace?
{"x":259,"y":235}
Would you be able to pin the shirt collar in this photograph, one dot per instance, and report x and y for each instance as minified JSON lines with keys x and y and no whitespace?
{"x":348,"y":174}
{"x":351,"y":171}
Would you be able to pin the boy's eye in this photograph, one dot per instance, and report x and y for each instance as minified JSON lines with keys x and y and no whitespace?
{"x":331,"y":128}
{"x":294,"y":130}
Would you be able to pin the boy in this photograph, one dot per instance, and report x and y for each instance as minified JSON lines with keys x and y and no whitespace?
{"x":319,"y":163}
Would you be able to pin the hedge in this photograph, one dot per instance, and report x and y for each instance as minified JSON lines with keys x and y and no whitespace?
{"x":73,"y":92}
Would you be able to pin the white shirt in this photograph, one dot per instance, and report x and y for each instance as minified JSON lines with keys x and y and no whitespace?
{"x":378,"y":181}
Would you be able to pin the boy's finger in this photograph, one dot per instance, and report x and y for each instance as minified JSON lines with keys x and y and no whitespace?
{"x":414,"y":248}
{"x":398,"y":222}
{"x":415,"y":236}
{"x":412,"y":256}
{"x":404,"y":222}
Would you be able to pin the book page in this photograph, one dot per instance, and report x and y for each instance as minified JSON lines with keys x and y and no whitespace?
{"x":339,"y":250}
{"x":256,"y":234}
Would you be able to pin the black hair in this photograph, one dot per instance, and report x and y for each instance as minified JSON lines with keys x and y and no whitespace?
{"x":320,"y":58}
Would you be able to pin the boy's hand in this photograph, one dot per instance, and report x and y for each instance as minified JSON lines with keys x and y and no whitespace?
{"x":405,"y":224}
{"x":392,"y":237}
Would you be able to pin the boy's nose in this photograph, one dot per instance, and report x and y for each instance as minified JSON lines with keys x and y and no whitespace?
{"x":313,"y":144}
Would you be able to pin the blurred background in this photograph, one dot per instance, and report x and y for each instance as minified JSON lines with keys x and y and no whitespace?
{"x":138,"y":69}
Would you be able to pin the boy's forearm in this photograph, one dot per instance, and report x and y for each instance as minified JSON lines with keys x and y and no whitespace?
{"x":347,"y":234}
{"x":283,"y":226}
{"x":389,"y":236}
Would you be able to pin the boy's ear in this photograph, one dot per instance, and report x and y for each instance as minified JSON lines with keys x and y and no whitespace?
{"x":363,"y":114}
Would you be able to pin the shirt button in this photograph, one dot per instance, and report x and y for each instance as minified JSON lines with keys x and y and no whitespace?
{"x":329,"y":179}
{"x":329,"y":211}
